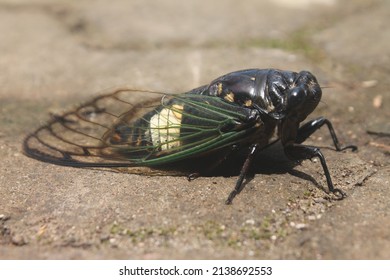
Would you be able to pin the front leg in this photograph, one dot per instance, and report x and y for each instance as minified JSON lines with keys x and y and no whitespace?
{"x":310,"y":127}
{"x":301,"y":152}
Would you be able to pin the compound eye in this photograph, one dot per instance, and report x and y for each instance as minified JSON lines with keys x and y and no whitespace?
{"x":295,"y":97}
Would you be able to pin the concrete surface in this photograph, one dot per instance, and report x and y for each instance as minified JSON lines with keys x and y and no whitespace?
{"x":55,"y":55}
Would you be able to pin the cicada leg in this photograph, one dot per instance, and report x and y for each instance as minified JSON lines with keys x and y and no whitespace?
{"x":301,"y":152}
{"x":244,"y":170}
{"x":310,"y":127}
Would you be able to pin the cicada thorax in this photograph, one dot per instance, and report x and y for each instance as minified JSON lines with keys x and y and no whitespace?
{"x":259,"y":89}
{"x":250,"y":88}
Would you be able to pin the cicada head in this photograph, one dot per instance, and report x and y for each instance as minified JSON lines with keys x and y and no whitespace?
{"x":303,"y":96}
{"x":282,"y":94}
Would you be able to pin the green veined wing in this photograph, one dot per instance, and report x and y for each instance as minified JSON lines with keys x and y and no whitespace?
{"x":114,"y":131}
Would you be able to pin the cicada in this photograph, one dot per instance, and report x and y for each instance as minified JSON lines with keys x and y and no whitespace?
{"x":197,"y":130}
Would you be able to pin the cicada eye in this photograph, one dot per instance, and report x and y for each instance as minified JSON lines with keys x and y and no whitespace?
{"x":295,"y":98}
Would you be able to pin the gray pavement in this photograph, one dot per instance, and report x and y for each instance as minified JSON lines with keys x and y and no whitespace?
{"x":56,"y":55}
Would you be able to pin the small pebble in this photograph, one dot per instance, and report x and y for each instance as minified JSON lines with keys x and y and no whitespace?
{"x":369,"y":83}
{"x":300,"y":226}
{"x":377,"y":101}
{"x":18,"y":240}
{"x":250,"y":222}
{"x":4,"y":217}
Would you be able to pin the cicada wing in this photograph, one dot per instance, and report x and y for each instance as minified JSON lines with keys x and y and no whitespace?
{"x":75,"y":138}
{"x":114,"y":131}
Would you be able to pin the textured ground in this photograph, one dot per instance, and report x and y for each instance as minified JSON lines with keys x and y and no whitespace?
{"x":56,"y":55}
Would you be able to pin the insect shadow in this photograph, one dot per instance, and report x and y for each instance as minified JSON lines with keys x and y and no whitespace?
{"x":269,"y":161}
